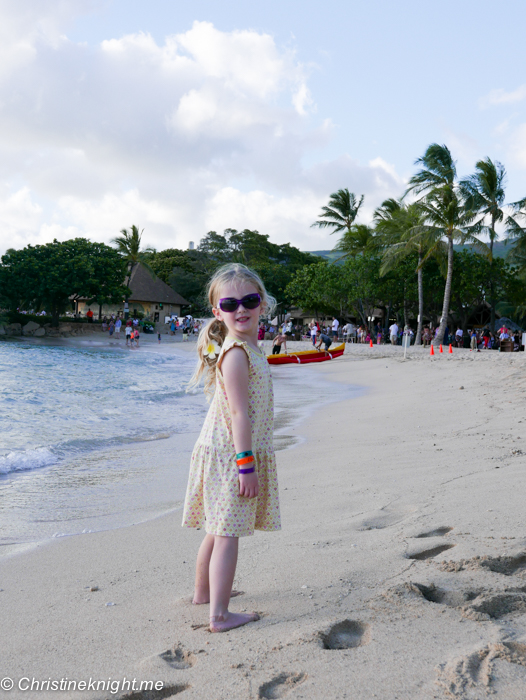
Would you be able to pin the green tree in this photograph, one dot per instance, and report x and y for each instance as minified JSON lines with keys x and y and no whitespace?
{"x":351,"y":289}
{"x":444,"y":212}
{"x":317,"y":288}
{"x":362,"y":288}
{"x":476,"y":278}
{"x":403,"y":232}
{"x":275,"y":263}
{"x":358,"y":239}
{"x":51,"y":276}
{"x":517,"y":234}
{"x":163,"y":262}
{"x":484,"y":193}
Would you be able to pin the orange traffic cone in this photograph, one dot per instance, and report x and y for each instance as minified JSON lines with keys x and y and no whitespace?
{"x":450,"y":349}
{"x":371,"y":343}
{"x":432,"y":350}
{"x":441,"y":350}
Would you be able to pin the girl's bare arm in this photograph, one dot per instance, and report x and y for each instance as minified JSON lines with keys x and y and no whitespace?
{"x":235,"y":373}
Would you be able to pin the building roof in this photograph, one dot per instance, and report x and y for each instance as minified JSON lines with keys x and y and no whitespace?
{"x":144,"y":287}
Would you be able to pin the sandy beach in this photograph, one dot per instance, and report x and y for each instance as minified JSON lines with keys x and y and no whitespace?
{"x":400,"y":571}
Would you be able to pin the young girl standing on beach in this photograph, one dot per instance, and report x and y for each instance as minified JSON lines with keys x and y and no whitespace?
{"x":233,"y":486}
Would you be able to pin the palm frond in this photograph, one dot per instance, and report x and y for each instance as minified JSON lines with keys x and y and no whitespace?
{"x":341,"y":211}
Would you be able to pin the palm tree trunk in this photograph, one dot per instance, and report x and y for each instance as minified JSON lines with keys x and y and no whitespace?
{"x":418,"y":339}
{"x":491,"y":281}
{"x":447,"y":293}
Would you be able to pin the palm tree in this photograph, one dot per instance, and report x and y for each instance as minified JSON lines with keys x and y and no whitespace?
{"x":517,"y":254}
{"x":129,"y":246}
{"x":357,"y":239}
{"x":484,"y":193}
{"x":443,"y":210}
{"x":342,"y":211}
{"x":402,"y":228}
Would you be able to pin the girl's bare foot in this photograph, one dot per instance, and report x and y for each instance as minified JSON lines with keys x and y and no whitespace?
{"x":205,"y":600}
{"x":223,"y":623}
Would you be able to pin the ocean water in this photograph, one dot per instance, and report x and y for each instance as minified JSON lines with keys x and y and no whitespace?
{"x":95,"y":438}
{"x":81,"y":430}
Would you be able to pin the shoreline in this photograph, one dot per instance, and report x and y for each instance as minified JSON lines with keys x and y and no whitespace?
{"x":386,"y":487}
{"x":171,"y":455}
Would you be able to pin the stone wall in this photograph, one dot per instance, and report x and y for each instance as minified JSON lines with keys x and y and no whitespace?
{"x":32,"y":329}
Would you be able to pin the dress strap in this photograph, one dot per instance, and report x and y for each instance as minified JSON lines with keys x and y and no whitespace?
{"x":228,"y":345}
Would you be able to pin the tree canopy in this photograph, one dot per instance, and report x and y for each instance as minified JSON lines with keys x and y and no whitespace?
{"x":188,"y":271}
{"x":53,"y":275}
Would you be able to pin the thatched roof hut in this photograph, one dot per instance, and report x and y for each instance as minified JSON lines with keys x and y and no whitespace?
{"x":151,"y":295}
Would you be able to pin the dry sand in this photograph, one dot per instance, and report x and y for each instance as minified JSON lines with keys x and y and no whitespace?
{"x":400,"y":571}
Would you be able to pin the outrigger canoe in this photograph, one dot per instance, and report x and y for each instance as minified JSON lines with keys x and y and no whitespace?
{"x":306,"y":356}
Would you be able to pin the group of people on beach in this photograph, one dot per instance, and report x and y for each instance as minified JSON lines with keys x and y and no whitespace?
{"x":113,"y":326}
{"x":188,"y":325}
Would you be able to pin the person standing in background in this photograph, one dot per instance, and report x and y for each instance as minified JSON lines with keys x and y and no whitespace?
{"x":313,"y":332}
{"x":393,"y":332}
{"x":335,"y":326}
{"x":261,"y":334}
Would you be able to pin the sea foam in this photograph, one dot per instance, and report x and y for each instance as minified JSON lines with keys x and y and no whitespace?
{"x":27,"y":460}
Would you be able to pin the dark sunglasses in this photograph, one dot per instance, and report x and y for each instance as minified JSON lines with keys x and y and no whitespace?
{"x":229,"y":304}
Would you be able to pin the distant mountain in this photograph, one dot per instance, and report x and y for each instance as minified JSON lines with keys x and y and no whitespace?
{"x":329,"y":254}
{"x":500,"y":250}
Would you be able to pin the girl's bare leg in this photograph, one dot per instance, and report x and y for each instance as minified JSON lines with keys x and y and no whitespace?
{"x":202,"y":581}
{"x":202,"y":577}
{"x":222,"y":569}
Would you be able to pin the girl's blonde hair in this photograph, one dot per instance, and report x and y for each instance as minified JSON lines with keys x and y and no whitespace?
{"x":215,"y":331}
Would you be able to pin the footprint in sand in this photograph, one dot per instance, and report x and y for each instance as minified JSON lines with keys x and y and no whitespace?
{"x":346,"y":635}
{"x":476,"y":604}
{"x":452,"y":598}
{"x":431,"y":552}
{"x":493,"y":607}
{"x":464,"y":672}
{"x":177,"y":657}
{"x":279,"y":686}
{"x":437,"y":532}
{"x":386,"y":517}
{"x":476,"y":669}
{"x":167,"y":692}
{"x":506,"y":565}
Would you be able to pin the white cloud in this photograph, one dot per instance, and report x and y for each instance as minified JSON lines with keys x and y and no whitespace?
{"x":282,"y":218}
{"x":462,"y":146}
{"x":517,"y":146}
{"x":500,"y":96}
{"x":206,"y":131}
{"x":20,"y":217}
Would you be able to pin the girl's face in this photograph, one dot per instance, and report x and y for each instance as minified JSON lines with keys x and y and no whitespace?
{"x":241,"y":323}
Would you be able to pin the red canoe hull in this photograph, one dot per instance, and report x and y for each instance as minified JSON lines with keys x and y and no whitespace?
{"x":305,"y":357}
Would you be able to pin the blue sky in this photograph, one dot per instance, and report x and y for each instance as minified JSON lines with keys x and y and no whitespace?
{"x":185,"y":117}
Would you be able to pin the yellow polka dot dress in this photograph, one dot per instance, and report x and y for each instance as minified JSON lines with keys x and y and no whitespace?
{"x":212,"y":497}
